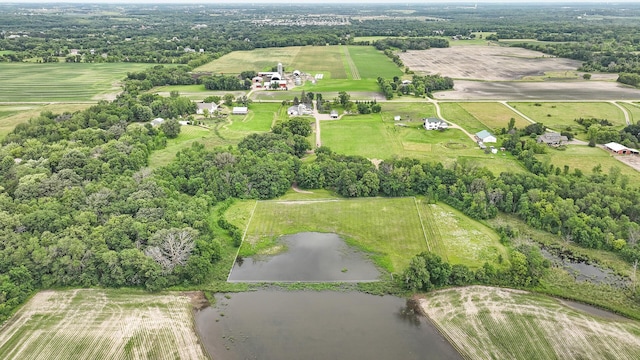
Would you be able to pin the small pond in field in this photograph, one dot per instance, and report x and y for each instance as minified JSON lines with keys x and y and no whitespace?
{"x":309,"y":256}
{"x":584,"y":271}
{"x":283,"y":325}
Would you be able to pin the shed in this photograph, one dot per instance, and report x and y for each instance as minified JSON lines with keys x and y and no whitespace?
{"x":397,"y":118}
{"x":485,"y":137}
{"x":240,"y":110}
{"x":620,"y":149}
{"x":334,"y":114}
{"x":157,"y":121}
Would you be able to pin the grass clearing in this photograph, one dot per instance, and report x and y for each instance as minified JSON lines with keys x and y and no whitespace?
{"x":632,"y":110}
{"x":23,"y":82}
{"x":495,"y":116}
{"x":372,"y":63}
{"x":494,"y":323}
{"x":12,"y":115}
{"x":102,"y":324}
{"x":391,"y":229}
{"x":188,"y":135}
{"x":559,"y":115}
{"x":585,"y":159}
{"x":459,"y":115}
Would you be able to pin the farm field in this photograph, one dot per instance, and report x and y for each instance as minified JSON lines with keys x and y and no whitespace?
{"x":372,"y":63}
{"x":633,"y":111}
{"x":367,"y":224}
{"x":193,"y":92}
{"x":457,"y":114}
{"x":12,"y":115}
{"x":493,"y":63}
{"x":559,"y":116}
{"x":495,"y":116}
{"x":494,"y":323}
{"x":369,"y":136}
{"x":258,"y":60}
{"x":22,"y":82}
{"x":102,"y":324}
{"x":408,"y":112}
{"x":586,"y":158}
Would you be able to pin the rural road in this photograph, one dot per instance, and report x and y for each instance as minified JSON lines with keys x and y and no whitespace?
{"x":624,"y":111}
{"x":317,"y":117}
{"x":451,"y":124}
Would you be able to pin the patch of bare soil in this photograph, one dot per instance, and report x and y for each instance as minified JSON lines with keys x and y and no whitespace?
{"x":376,"y":162}
{"x":198,"y":299}
{"x":484,"y":62}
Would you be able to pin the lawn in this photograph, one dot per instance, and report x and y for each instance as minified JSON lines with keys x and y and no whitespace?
{"x":391,"y":229}
{"x":22,"y":82}
{"x":12,"y":115}
{"x":559,"y":115}
{"x":372,"y":63}
{"x":102,"y":324}
{"x":494,"y":323}
{"x":455,"y":113}
{"x":495,"y":116}
{"x":586,"y":158}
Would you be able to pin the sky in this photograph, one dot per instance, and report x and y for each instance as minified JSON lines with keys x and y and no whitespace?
{"x":311,"y":1}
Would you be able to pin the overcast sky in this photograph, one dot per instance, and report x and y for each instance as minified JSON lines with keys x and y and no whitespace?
{"x":311,"y":1}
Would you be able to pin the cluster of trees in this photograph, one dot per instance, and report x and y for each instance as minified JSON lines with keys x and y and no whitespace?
{"x":427,"y":271}
{"x":629,"y":79}
{"x":78,"y":207}
{"x":158,"y":75}
{"x":225,"y":82}
{"x":419,"y":85}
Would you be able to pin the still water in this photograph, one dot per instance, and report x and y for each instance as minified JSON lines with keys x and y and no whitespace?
{"x":283,"y":325}
{"x":310,"y":256}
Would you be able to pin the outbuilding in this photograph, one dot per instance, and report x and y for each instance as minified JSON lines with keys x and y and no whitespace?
{"x":240,"y":110}
{"x":620,"y":149}
{"x":485,"y":137}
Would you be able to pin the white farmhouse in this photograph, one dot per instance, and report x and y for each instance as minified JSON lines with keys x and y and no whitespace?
{"x":434,"y":124}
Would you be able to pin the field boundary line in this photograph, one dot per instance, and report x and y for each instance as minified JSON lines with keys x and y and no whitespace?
{"x":517,"y":111}
{"x":355,"y":74}
{"x":244,"y":235}
{"x":424,"y":233}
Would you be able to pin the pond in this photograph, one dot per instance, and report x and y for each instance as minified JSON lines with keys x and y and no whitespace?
{"x":583,"y":271}
{"x":309,"y":256}
{"x":282,"y":325}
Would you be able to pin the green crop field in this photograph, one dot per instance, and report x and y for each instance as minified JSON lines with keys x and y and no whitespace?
{"x":455,"y":113}
{"x":372,"y":63}
{"x":23,"y":82}
{"x":102,"y":324}
{"x":586,"y":158}
{"x":12,"y":115}
{"x":193,"y":92}
{"x":257,"y":60}
{"x":493,"y":323}
{"x":391,"y":229}
{"x":559,"y":116}
{"x":495,"y":116}
{"x":408,"y":111}
{"x":332,"y":85}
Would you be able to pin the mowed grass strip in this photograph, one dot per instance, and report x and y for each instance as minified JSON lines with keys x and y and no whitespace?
{"x":389,"y":228}
{"x":466,"y":241}
{"x":495,"y":116}
{"x":559,"y":115}
{"x":494,"y":323}
{"x":633,"y":110}
{"x":457,"y":114}
{"x":25,"y":82}
{"x":102,"y":324}
{"x":372,"y":63}
{"x":257,"y":60}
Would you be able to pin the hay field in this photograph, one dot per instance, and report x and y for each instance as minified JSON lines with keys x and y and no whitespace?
{"x":559,"y":115}
{"x":493,"y":63}
{"x":24,"y":82}
{"x":372,"y":63}
{"x":392,"y":229}
{"x":494,"y":323}
{"x":495,"y":116}
{"x":102,"y":324}
{"x":457,"y":114}
{"x":586,"y":158}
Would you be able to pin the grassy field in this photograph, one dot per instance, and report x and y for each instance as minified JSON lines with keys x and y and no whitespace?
{"x":494,"y":323}
{"x":559,"y":116}
{"x":408,"y":111}
{"x":633,"y":111}
{"x":23,"y":82}
{"x":456,"y":113}
{"x":369,"y":136}
{"x":102,"y":324}
{"x":258,"y":60}
{"x":12,"y":115}
{"x":228,"y":132}
{"x":586,"y":158}
{"x":372,"y":63}
{"x":193,"y":92}
{"x":333,"y":85}
{"x":495,"y":116}
{"x":391,"y":229}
